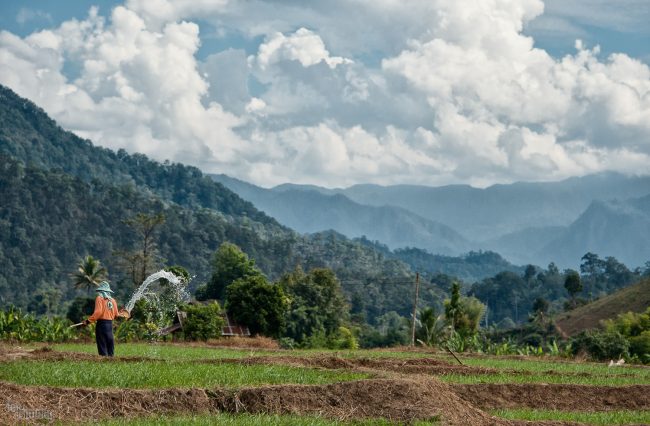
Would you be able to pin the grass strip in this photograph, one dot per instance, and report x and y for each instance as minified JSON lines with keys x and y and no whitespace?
{"x":641,"y":373}
{"x":594,"y":418}
{"x":156,"y":374}
{"x":167,"y":351}
{"x":509,"y":378}
{"x":164,"y":351}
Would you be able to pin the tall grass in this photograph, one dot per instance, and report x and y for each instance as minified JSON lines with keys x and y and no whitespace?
{"x":162,"y":374}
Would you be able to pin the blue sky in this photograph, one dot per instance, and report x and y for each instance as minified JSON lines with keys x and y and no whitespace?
{"x":555,"y":30}
{"x":343,"y":92}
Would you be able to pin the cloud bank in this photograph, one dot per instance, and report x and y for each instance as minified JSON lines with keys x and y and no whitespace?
{"x":341,"y":92}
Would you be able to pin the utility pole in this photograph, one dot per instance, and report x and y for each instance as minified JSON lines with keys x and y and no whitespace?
{"x":415,"y":307}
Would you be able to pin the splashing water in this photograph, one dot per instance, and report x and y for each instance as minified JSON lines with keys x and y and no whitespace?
{"x":178,"y":290}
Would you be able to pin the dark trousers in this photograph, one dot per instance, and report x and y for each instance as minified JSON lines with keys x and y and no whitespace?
{"x":104,"y":337}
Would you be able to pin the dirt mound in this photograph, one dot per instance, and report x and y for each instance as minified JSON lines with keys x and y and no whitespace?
{"x":402,"y":400}
{"x":46,"y":353}
{"x":432,"y":367}
{"x":559,"y":397}
{"x":257,"y":342}
{"x":34,"y":403}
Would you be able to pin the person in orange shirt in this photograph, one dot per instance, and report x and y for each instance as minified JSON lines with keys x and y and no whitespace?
{"x":104,"y":314}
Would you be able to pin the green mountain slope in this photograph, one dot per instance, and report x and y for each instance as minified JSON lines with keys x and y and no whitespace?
{"x":49,"y":220}
{"x":63,"y":198}
{"x":635,"y":298}
{"x":29,"y":135}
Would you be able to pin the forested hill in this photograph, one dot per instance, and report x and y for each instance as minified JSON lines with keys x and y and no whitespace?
{"x":30,"y":136}
{"x":49,"y":220}
{"x":63,"y":198}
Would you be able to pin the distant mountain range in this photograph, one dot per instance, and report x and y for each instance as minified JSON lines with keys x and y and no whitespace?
{"x":526,"y":222}
{"x":310,"y":210}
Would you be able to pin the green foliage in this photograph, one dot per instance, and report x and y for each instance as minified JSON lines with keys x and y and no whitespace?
{"x":140,"y":262}
{"x":180,"y":272}
{"x":89,"y":273}
{"x":640,"y":346}
{"x":630,"y":323}
{"x":391,"y":330}
{"x":343,"y":339}
{"x":463,"y":314}
{"x":80,"y":309}
{"x":603,"y":276}
{"x":601,"y":345}
{"x":506,"y":295}
{"x":229,"y":264}
{"x":317,"y":304}
{"x":20,"y":327}
{"x":572,"y":282}
{"x":452,"y":307}
{"x":261,"y":306}
{"x":432,"y":329}
{"x":133,"y":331}
{"x":46,"y":301}
{"x":203,"y":321}
{"x":636,"y":328}
{"x":474,"y":266}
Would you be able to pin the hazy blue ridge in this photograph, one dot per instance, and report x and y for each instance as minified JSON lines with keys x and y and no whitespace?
{"x":534,"y":223}
{"x":483,"y":214}
{"x":308,"y":210}
{"x":609,"y":228}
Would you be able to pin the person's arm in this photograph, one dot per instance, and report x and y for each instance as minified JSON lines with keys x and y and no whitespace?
{"x":98,"y":311}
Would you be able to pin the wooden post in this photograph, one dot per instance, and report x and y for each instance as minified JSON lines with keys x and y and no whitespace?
{"x":415,"y":307}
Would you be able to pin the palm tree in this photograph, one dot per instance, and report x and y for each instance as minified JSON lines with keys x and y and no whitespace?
{"x":432,"y":326}
{"x":89,"y":274}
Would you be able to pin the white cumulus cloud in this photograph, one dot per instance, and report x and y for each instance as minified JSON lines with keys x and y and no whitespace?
{"x":433,"y":92}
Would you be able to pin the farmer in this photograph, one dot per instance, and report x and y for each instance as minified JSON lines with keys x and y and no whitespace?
{"x":104,"y":314}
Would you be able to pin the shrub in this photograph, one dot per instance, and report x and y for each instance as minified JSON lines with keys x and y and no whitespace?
{"x":533,"y":339}
{"x":261,"y":306}
{"x":601,"y":345}
{"x":640,"y":346}
{"x":132,"y":330}
{"x":203,"y":322}
{"x":343,"y":339}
